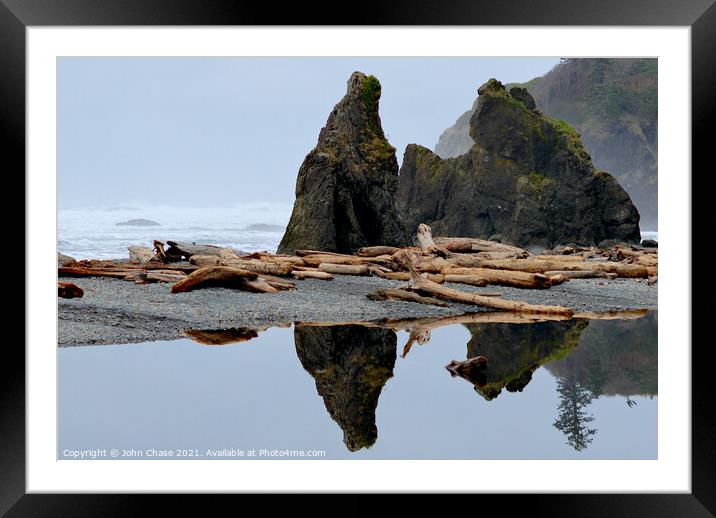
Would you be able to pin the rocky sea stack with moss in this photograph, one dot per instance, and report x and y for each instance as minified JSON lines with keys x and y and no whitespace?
{"x":346,"y":187}
{"x":612,"y":103}
{"x":526,"y":177}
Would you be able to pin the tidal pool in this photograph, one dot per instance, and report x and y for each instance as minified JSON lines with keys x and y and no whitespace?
{"x":570,"y":389}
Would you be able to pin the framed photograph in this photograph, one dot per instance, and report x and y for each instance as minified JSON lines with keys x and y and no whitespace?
{"x":296,"y":255}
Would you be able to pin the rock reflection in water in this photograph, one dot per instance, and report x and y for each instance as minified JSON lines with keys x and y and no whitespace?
{"x":513,"y":352}
{"x":589,"y":358}
{"x":350,"y":364}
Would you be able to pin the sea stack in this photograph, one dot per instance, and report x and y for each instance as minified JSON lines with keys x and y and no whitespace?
{"x":527,"y":177}
{"x":346,"y":186}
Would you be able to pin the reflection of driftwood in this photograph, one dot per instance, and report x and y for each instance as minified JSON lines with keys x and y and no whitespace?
{"x":472,"y":370}
{"x":631,"y":314}
{"x":67,"y":290}
{"x":483,"y":317}
{"x":420,"y":335}
{"x":221,"y":336}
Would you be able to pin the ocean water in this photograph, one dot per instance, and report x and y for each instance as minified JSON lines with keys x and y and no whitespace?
{"x":94,"y":233}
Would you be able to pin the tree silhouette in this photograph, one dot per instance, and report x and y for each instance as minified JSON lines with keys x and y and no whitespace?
{"x":573,"y":419}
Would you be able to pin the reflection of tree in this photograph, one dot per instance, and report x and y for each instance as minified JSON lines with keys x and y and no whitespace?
{"x":573,"y":419}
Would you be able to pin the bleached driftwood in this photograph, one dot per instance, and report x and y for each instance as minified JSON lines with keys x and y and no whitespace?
{"x":217,"y":276}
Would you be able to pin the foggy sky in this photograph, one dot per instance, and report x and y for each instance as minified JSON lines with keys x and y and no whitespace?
{"x":221,"y":131}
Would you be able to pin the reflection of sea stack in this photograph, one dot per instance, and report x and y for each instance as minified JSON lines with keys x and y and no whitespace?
{"x":350,"y":365}
{"x":514,"y":351}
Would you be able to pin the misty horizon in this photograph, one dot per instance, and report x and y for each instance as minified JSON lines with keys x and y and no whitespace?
{"x":217,"y":132}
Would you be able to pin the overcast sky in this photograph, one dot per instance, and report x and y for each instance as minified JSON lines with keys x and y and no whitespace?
{"x":221,"y":131}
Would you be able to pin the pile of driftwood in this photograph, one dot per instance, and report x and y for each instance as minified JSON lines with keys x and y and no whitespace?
{"x":426,"y":267}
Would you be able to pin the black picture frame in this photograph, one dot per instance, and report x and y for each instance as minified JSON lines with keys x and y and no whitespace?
{"x":17,"y":15}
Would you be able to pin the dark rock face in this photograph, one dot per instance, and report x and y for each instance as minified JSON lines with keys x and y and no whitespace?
{"x":345,"y":192}
{"x":612,"y":103}
{"x":350,"y":364}
{"x":526,"y":177}
{"x":521,"y":94}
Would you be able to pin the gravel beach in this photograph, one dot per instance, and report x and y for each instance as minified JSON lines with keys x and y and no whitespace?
{"x":115,"y":311}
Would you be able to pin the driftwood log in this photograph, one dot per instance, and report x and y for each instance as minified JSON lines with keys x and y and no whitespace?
{"x":64,"y":260}
{"x":316,"y":259}
{"x":511,"y":278}
{"x":140,"y":254}
{"x":544,"y":265}
{"x":375,"y":251}
{"x":481,"y":245}
{"x":302,"y":274}
{"x":344,"y":269}
{"x":429,"y":288}
{"x":427,"y":245}
{"x":252,"y":265}
{"x":67,"y":290}
{"x":188,"y":250}
{"x":405,"y":296}
{"x":426,"y":287}
{"x":217,"y":276}
{"x":582,"y":274}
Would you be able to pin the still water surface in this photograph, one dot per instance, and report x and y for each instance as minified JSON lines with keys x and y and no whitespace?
{"x":574,"y":389}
